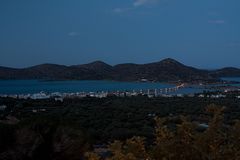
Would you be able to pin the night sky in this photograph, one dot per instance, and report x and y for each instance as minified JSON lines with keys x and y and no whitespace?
{"x":201,"y":33}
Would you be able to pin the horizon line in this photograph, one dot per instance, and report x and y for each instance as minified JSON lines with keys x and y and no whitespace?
{"x":100,"y":61}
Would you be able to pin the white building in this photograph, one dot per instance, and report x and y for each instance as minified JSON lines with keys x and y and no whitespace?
{"x":3,"y":107}
{"x":60,"y":99}
{"x":40,"y":96}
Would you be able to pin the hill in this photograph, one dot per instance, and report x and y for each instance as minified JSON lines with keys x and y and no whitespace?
{"x":227,"y":72}
{"x":165,"y":70}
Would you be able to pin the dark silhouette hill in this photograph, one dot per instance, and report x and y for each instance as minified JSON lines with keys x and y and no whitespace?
{"x":165,"y":70}
{"x":227,"y":72}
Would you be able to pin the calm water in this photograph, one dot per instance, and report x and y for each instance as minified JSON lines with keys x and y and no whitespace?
{"x":237,"y":79}
{"x":35,"y":86}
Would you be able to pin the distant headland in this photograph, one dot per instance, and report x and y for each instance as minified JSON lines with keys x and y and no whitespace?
{"x":166,"y":70}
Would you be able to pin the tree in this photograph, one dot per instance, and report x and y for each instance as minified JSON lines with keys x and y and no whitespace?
{"x":218,"y":142}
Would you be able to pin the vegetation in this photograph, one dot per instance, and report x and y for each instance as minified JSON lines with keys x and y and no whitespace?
{"x":217,"y":142}
{"x":42,"y":138}
{"x":72,"y":128}
{"x":163,"y":71}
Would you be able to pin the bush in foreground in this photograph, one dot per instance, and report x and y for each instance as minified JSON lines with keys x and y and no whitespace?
{"x":185,"y":142}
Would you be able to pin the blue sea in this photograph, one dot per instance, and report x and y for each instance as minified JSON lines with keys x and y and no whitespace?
{"x":236,"y":79}
{"x":36,"y":86}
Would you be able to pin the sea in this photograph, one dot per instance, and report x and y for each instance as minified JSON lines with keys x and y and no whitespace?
{"x":36,"y":86}
{"x":236,"y":79}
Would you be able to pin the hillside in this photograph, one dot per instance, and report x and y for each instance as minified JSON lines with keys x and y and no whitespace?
{"x":165,"y":70}
{"x":227,"y":72}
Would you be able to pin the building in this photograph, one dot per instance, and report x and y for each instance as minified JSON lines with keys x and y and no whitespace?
{"x":3,"y":107}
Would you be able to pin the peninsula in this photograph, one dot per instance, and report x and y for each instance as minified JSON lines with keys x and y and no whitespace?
{"x":167,"y":70}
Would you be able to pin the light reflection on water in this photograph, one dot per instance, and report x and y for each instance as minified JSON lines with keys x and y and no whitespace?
{"x":35,"y":86}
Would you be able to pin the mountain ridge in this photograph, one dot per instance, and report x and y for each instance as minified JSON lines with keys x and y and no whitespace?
{"x":165,"y":70}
